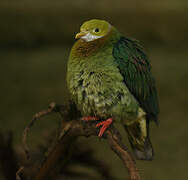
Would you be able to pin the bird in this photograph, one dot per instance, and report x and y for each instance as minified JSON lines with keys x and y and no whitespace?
{"x":109,"y":79}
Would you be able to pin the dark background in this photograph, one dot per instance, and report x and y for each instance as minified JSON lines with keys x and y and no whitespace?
{"x":35,"y":41}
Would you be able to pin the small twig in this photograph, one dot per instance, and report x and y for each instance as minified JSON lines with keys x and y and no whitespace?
{"x":18,"y":173}
{"x":51,"y":108}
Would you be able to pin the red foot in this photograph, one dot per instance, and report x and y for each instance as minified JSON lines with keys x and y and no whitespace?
{"x":105,"y":125}
{"x":90,"y":118}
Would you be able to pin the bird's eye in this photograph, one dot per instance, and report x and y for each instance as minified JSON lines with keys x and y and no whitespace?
{"x":96,"y":30}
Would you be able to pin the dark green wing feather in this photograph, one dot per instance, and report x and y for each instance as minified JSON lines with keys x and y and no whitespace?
{"x":136,"y":71}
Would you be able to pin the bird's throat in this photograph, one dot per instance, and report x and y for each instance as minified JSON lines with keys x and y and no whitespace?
{"x":84,"y":49}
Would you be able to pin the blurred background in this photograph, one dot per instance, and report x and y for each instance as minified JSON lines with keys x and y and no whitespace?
{"x":35,"y":41}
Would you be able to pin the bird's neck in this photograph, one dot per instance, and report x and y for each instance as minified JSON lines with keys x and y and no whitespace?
{"x":84,"y":49}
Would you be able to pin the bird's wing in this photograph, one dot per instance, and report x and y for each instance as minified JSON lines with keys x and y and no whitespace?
{"x":136,"y":71}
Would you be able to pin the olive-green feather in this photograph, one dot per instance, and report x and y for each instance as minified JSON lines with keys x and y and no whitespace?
{"x":96,"y":85}
{"x":110,"y":76}
{"x":136,"y":71}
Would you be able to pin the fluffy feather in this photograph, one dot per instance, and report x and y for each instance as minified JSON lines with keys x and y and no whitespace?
{"x":110,"y":77}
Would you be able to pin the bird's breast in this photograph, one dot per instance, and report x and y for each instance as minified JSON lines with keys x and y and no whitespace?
{"x":97,"y":86}
{"x":101,"y":93}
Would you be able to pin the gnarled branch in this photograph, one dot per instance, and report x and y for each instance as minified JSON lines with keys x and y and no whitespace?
{"x":72,"y":128}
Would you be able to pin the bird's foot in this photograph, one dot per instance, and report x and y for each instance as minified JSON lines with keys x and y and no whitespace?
{"x":105,"y":124}
{"x":90,"y":118}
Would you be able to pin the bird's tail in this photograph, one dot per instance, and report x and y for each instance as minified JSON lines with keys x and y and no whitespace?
{"x":138,"y":135}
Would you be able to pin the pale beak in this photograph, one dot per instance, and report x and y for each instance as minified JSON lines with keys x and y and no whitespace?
{"x":80,"y":34}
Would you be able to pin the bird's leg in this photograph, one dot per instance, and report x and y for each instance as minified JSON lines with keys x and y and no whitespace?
{"x":90,"y":118}
{"x":105,"y":124}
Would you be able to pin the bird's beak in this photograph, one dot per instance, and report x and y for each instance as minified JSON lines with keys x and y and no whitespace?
{"x":80,"y":34}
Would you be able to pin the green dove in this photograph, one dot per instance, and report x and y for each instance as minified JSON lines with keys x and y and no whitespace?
{"x":109,"y":79}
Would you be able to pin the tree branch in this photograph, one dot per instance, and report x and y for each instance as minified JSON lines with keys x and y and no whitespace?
{"x":72,"y":128}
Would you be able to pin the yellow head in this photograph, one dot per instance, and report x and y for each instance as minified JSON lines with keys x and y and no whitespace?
{"x":93,"y":29}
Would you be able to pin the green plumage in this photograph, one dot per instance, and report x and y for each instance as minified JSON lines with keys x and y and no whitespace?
{"x":111,"y":77}
{"x":136,"y":71}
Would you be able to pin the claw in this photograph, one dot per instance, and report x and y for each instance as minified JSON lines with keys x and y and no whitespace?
{"x":105,"y":124}
{"x":90,"y":118}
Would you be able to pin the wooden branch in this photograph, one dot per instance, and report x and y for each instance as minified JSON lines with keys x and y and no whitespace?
{"x":71,"y":130}
{"x":51,"y":108}
{"x":123,"y":153}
